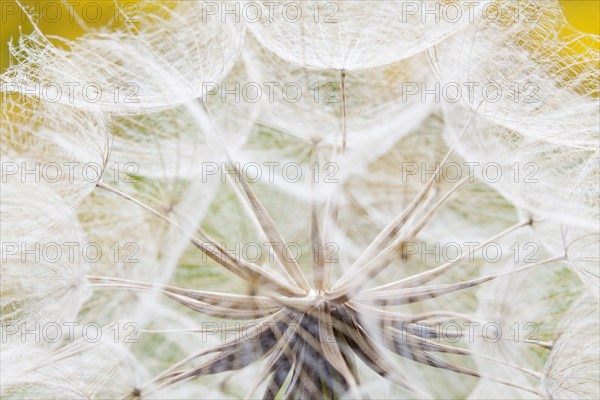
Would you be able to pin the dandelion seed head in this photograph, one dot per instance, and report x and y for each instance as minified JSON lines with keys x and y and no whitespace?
{"x":571,"y":369}
{"x":61,"y":146}
{"x":161,"y":63}
{"x":350,"y":35}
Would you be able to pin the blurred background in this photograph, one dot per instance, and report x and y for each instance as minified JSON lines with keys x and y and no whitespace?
{"x":61,"y":20}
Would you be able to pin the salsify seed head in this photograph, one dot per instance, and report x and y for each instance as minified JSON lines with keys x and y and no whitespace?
{"x":297,"y":205}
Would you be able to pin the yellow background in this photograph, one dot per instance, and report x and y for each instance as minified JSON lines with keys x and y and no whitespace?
{"x":583,"y":14}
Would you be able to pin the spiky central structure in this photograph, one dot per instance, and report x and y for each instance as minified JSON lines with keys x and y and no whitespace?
{"x":312,"y":335}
